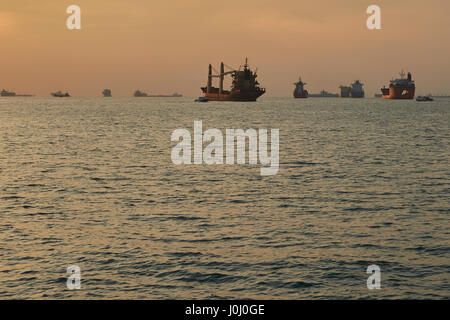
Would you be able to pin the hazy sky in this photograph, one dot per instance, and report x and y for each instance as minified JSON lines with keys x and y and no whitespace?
{"x":166,"y":46}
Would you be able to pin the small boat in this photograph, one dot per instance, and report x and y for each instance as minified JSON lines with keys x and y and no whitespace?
{"x":59,"y":94}
{"x":202,"y":99}
{"x":424,"y":98}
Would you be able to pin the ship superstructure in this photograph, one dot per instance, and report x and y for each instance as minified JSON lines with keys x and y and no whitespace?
{"x":244,"y":86}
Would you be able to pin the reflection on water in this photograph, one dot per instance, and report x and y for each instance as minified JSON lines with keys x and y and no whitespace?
{"x":90,"y":182}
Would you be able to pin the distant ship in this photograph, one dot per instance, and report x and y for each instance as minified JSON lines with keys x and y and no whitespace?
{"x":345,"y":91}
{"x":59,"y":94}
{"x":425,"y":98}
{"x":299,"y":91}
{"x":402,"y":88}
{"x":141,"y":94}
{"x":5,"y":93}
{"x":244,"y":86}
{"x":107,"y":93}
{"x":324,"y":94}
{"x":202,"y":99}
{"x":357,"y":90}
{"x":173,"y":95}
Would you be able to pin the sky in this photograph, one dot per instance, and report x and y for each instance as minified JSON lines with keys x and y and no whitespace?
{"x":163,"y":47}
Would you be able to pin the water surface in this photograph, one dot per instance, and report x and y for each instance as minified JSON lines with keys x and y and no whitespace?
{"x":90,"y":182}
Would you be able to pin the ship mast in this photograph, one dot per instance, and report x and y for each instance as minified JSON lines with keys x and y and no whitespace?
{"x":209,"y":85}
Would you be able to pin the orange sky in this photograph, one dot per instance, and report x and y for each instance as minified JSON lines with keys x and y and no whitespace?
{"x":165,"y":46}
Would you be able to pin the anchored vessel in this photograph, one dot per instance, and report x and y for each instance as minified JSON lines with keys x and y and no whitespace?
{"x":59,"y":94}
{"x":425,"y":98}
{"x":345,"y":91}
{"x":357,"y":90}
{"x":324,"y":94}
{"x":244,"y":87}
{"x":5,"y":93}
{"x":173,"y":95}
{"x":142,"y":94}
{"x":300,"y":91}
{"x":402,"y":88}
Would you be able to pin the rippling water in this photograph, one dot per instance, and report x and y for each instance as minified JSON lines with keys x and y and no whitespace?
{"x":90,"y":182}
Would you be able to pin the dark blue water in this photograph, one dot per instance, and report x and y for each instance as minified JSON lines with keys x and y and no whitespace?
{"x":90,"y":182}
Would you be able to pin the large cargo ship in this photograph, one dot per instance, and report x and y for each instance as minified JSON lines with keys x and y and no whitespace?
{"x":357,"y":90}
{"x":244,"y":86}
{"x":300,"y":91}
{"x":402,"y":88}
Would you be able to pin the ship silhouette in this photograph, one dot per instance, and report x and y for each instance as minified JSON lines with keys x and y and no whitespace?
{"x":244,"y":86}
{"x":299,"y":91}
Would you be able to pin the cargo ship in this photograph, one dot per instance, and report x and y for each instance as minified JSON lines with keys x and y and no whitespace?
{"x":142,"y":94}
{"x":173,"y":95}
{"x":345,"y":91}
{"x":244,"y":86}
{"x":6,"y":93}
{"x":299,"y":91}
{"x":107,"y":93}
{"x":402,"y":88}
{"x":357,"y":90}
{"x":324,"y":94}
{"x":59,"y":94}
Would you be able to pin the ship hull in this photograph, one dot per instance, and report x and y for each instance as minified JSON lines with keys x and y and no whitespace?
{"x":233,"y":95}
{"x":300,"y":95}
{"x":357,"y":95}
{"x":398,"y":93}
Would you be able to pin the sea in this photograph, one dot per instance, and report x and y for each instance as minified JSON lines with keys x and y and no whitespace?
{"x":90,"y":183}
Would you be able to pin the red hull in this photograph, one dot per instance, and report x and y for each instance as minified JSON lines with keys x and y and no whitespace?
{"x":398,"y":93}
{"x":235,"y":95}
